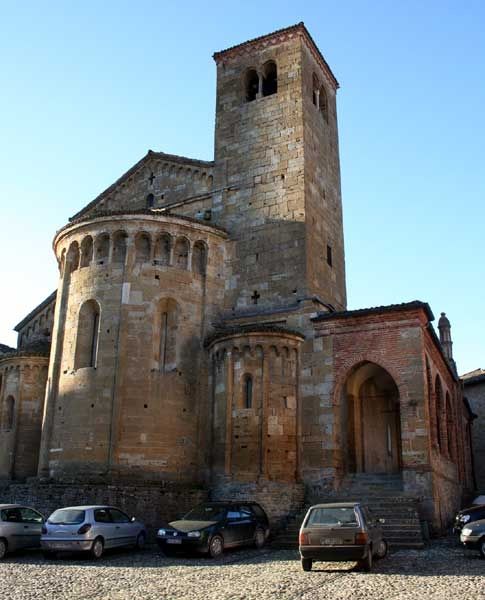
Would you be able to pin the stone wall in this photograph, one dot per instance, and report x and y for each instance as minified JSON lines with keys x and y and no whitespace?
{"x":262,"y":169}
{"x":129,"y":400}
{"x":325,"y":259}
{"x":258,"y":438}
{"x":36,"y":327}
{"x":153,"y":504}
{"x":157,"y":181}
{"x":22,"y":390}
{"x":278,"y":499}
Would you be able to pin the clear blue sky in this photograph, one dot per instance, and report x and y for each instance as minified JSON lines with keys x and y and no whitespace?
{"x":87,"y":87}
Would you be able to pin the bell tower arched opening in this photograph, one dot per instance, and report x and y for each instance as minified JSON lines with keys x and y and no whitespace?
{"x":373,"y":432}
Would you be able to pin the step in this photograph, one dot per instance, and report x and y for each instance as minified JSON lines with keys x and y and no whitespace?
{"x":402,"y":527}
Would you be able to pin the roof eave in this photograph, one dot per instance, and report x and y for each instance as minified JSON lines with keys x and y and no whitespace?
{"x":36,"y":310}
{"x":132,"y":170}
{"x":266,"y":40}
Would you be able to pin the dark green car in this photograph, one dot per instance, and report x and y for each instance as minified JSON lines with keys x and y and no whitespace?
{"x":215,"y":526}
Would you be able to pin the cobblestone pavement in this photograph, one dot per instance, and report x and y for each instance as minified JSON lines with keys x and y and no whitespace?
{"x":440,"y":571}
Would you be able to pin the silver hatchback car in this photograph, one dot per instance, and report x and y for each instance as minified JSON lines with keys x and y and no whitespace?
{"x":20,"y":527}
{"x":90,"y":529}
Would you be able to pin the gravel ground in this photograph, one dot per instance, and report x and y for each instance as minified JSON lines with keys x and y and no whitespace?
{"x":442,"y":570}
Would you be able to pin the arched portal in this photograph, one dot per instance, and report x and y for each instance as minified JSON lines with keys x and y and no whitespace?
{"x":373,"y":421}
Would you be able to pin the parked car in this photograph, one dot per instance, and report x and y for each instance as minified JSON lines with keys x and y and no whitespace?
{"x":20,"y":527}
{"x":467,"y":516}
{"x":473,"y":536}
{"x":344,"y":531}
{"x":215,"y":526}
{"x":90,"y":529}
{"x":479,"y":500}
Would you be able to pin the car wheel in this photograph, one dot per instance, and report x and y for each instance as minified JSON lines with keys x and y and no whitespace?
{"x":259,"y":538}
{"x":366,"y":563}
{"x":140,"y":541}
{"x":216,"y":546}
{"x":481,"y":547}
{"x":3,"y":549}
{"x":381,"y":550}
{"x":306,"y":564}
{"x":97,"y":548}
{"x":48,"y":554}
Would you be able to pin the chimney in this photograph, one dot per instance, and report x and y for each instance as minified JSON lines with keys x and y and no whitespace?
{"x":445,"y":339}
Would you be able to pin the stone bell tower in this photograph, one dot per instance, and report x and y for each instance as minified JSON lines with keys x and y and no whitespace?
{"x":278,"y":174}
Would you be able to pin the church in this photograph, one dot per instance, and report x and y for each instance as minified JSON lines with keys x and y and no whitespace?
{"x":199,"y":334}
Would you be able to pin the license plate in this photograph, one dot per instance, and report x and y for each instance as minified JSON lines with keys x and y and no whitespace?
{"x":174,"y":541}
{"x":330,"y":541}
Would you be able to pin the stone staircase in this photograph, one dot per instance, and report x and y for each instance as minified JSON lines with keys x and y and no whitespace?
{"x":386,"y":499}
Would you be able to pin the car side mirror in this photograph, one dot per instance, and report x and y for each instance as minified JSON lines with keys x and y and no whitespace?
{"x":133,"y":519}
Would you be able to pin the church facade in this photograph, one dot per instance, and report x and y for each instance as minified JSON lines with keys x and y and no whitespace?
{"x":200,"y":332}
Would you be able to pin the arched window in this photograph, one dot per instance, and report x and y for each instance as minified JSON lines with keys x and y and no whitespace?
{"x":248,"y":391}
{"x":323,"y":103}
{"x":162,"y":249}
{"x":150,"y":201}
{"x":119,"y":247}
{"x":73,"y":257}
{"x":87,"y":335}
{"x":181,"y":253}
{"x":449,"y":428}
{"x":431,"y":403}
{"x":315,"y":89}
{"x":251,"y":85}
{"x":270,"y":78}
{"x":86,"y":251}
{"x":166,"y":343}
{"x":9,"y":413}
{"x":102,"y":248}
{"x":439,"y":412}
{"x":199,"y":258}
{"x":142,"y":246}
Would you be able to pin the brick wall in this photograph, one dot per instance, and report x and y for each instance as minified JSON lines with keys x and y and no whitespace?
{"x":154,"y":504}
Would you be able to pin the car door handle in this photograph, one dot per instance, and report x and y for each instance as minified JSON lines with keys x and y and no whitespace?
{"x":26,"y":526}
{"x":117,"y":526}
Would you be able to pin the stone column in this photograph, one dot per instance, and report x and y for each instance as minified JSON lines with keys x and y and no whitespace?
{"x":52,"y":388}
{"x":260,"y":85}
{"x":229,"y":398}
{"x":263,"y":463}
{"x":110,"y":249}
{"x":298,"y":414}
{"x":15,"y":424}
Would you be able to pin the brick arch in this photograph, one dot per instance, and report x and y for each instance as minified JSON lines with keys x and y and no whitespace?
{"x":351,"y":365}
{"x":354,"y":412}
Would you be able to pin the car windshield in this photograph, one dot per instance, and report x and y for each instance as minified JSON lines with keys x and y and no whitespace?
{"x":67,"y":517}
{"x":206,"y":512}
{"x":332,"y":516}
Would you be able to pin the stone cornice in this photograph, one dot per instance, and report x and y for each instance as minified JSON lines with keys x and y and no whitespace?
{"x":251,"y":331}
{"x":277,"y":37}
{"x":148,"y":215}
